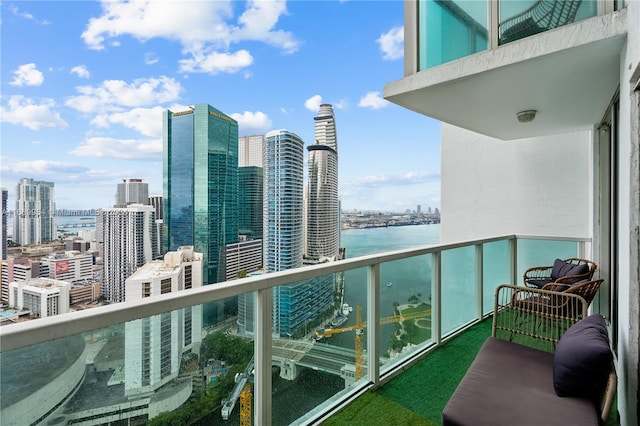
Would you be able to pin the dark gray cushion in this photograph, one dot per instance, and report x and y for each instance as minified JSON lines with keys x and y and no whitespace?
{"x":538,"y":283}
{"x":582,"y":360}
{"x":563,"y":269}
{"x":512,"y":385}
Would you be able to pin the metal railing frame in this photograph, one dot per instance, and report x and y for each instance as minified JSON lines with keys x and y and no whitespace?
{"x":32,"y":332}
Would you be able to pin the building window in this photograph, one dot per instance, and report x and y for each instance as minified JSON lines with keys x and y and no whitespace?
{"x":165,"y":286}
{"x":146,"y":289}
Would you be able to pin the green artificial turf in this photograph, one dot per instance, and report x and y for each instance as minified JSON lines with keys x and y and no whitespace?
{"x":374,"y":409}
{"x":418,"y":396}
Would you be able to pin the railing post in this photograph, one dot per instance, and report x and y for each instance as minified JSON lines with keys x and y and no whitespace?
{"x":480,"y":281}
{"x":513,"y":250}
{"x":262,"y":350}
{"x":494,"y":21}
{"x":373,"y":324}
{"x":436,"y":294}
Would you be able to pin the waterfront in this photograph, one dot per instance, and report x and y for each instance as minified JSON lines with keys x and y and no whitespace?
{"x":292,"y":399}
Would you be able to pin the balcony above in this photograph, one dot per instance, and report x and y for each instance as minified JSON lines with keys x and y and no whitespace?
{"x":568,"y":75}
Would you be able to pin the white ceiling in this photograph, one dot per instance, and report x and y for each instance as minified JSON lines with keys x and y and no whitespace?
{"x":566,"y":77}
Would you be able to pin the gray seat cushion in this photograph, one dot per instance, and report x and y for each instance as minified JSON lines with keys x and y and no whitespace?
{"x":510,"y":384}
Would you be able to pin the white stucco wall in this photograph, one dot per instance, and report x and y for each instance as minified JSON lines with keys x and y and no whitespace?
{"x":527,"y":186}
{"x":629,"y":225}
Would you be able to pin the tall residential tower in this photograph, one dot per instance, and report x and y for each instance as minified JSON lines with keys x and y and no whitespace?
{"x":35,"y":215}
{"x":132,"y":191}
{"x":200,"y":186}
{"x":323,"y":208}
{"x":283,"y":187}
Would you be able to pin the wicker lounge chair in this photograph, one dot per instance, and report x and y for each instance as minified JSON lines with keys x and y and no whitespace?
{"x":543,"y":15}
{"x":566,"y":271}
{"x":517,"y":376}
{"x":585,"y":289}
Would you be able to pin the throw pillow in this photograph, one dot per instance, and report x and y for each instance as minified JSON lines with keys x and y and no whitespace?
{"x":562,"y":269}
{"x":582,"y":360}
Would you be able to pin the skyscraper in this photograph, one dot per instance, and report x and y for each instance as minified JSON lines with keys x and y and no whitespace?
{"x":154,"y":345}
{"x":156,"y":202}
{"x":129,"y":241}
{"x":35,"y":215}
{"x":323,"y":209}
{"x":250,"y":151}
{"x":250,"y":191}
{"x":3,"y":230}
{"x":132,"y":191}
{"x":283,"y":187}
{"x":200,"y":185}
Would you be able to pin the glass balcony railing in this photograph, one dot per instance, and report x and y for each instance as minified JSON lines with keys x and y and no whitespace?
{"x":452,"y":29}
{"x":519,"y":19}
{"x":303,"y":343}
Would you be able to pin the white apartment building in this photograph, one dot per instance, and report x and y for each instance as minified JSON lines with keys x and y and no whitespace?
{"x":242,"y":256}
{"x":129,"y":240}
{"x":154,"y":346}
{"x":35,"y":214}
{"x":20,"y":269}
{"x":70,"y":266}
{"x":44,"y":297}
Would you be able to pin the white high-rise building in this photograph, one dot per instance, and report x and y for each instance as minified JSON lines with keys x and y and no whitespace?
{"x":129,"y":240}
{"x":35,"y":215}
{"x":44,"y":297}
{"x":132,"y":191}
{"x":282,"y":210}
{"x":70,"y":266}
{"x":250,"y":151}
{"x":20,"y":269}
{"x":154,"y":346}
{"x":323,"y":208}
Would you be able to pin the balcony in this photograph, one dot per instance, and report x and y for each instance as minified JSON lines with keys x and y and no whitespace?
{"x":461,"y":57}
{"x":127,"y":363}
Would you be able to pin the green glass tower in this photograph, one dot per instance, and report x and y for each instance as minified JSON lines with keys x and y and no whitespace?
{"x":200,"y":184}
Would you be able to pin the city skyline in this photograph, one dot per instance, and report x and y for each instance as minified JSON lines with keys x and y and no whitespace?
{"x":72,"y":115}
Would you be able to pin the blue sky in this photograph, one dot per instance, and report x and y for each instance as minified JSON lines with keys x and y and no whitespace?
{"x":84,"y":84}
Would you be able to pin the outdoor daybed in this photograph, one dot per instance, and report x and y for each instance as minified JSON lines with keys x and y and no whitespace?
{"x":537,"y":368}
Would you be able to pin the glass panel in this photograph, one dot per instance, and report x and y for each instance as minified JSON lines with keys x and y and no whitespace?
{"x":542,"y":253}
{"x":315,"y":341}
{"x":459,"y":289}
{"x":405,"y":306}
{"x":449,"y":30}
{"x":524,"y":18}
{"x":496,"y":270}
{"x":158,"y":369}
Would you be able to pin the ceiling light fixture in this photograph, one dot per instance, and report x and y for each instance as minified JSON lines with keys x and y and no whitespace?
{"x":527,"y":116}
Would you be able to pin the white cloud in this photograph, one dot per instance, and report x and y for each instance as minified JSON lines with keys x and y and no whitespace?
{"x":257,"y":23}
{"x":147,"y":121}
{"x":25,"y":112}
{"x":341,"y":104}
{"x":211,"y":30}
{"x":114,"y":94}
{"x":215,"y":62}
{"x":392,"y":44}
{"x":252,"y":122}
{"x":81,"y":71}
{"x":40,"y":167}
{"x":27,"y":75}
{"x":313,"y":103}
{"x":373,"y":100}
{"x":150,"y":58}
{"x":26,"y":15}
{"x":124,"y":149}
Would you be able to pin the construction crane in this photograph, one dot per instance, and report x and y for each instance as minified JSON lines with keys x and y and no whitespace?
{"x":359,"y":327}
{"x":245,"y":405}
